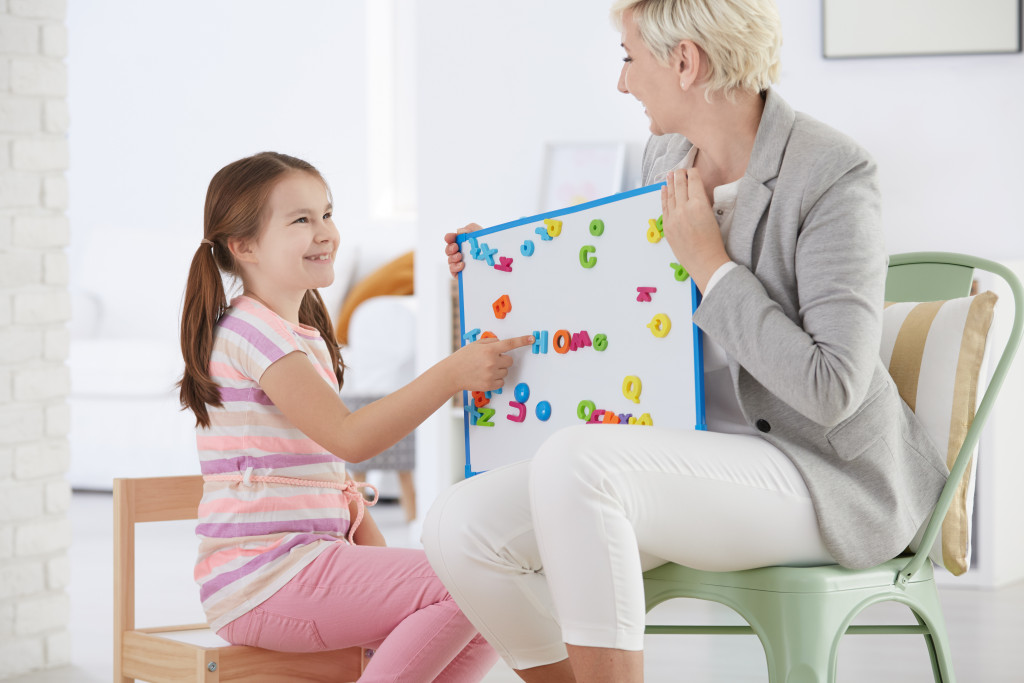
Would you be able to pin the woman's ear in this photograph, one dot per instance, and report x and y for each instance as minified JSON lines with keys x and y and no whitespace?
{"x":687,"y":59}
{"x":242,"y":250}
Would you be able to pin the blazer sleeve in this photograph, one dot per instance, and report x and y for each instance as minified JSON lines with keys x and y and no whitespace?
{"x":819,"y":358}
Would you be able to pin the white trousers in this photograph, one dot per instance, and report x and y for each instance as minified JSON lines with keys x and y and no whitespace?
{"x":550,"y":551}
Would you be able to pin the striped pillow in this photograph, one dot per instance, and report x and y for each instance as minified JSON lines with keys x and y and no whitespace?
{"x":934,"y":352}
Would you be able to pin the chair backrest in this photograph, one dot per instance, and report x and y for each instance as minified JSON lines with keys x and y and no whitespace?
{"x":155,"y":499}
{"x":934,"y":276}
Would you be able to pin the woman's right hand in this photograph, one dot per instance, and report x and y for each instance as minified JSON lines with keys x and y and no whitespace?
{"x":483,"y":365}
{"x":451,"y":248}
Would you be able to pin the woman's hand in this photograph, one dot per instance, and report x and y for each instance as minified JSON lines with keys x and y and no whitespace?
{"x":451,"y":248}
{"x":690,"y":225}
{"x":483,"y":365}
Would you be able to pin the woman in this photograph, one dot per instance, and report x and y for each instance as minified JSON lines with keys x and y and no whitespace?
{"x":811,"y":456}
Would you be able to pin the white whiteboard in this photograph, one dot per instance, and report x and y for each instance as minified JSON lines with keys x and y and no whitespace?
{"x":583,"y":278}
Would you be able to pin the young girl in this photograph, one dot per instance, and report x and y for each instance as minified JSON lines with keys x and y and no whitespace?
{"x":288,"y":559}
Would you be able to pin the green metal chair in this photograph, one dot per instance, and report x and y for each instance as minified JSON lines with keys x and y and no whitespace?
{"x":800,"y":614}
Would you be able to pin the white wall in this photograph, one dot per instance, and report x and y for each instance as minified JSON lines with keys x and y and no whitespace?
{"x":162,"y":95}
{"x":35,"y":532}
{"x":495,"y":83}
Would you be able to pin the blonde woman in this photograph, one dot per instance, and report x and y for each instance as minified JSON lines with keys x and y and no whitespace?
{"x":811,"y":456}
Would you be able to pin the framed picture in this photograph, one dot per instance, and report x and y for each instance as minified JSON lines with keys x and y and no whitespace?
{"x":579,"y":172}
{"x":890,"y":28}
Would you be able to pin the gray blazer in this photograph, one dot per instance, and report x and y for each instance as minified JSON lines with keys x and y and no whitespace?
{"x":801,"y":321}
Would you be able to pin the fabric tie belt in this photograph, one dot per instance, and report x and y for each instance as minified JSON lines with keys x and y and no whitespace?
{"x":348,"y":488}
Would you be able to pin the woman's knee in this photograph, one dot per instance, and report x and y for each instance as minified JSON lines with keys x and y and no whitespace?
{"x":569,"y":458}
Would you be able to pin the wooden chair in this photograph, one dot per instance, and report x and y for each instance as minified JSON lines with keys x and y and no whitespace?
{"x":801,"y":613}
{"x":192,"y":652}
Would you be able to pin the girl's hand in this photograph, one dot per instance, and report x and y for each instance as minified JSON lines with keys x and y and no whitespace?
{"x":451,"y":249}
{"x":483,"y":365}
{"x":690,"y":225}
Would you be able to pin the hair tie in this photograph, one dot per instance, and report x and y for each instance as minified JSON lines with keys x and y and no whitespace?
{"x":206,"y":241}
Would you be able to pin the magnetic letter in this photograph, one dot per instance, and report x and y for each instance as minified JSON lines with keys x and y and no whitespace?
{"x":522,"y":411}
{"x":644,"y":293}
{"x":586,"y":260}
{"x":554,"y":227}
{"x":660,"y":325}
{"x":502,"y":306}
{"x":631,"y":387}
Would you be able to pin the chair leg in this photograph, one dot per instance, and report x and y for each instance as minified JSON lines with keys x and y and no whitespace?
{"x":408,"y":497}
{"x":928,"y":612}
{"x":799,"y":633}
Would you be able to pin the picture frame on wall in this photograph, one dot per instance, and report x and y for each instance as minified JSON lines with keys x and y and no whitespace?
{"x":579,"y":172}
{"x":898,"y":28}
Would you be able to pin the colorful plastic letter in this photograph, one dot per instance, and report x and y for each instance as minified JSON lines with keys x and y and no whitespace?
{"x":561,"y":341}
{"x":597,"y":227}
{"x":522,"y":392}
{"x":644,"y":293}
{"x":487,"y":254}
{"x":653,"y":234}
{"x":584,"y":410}
{"x":474,"y":248}
{"x":543,"y":232}
{"x":631,"y":388}
{"x":586,"y":260}
{"x":554,"y":227}
{"x":488,"y":335}
{"x":502,"y":306}
{"x":660,"y":325}
{"x":681,"y":274}
{"x":471,"y":335}
{"x":600,"y":342}
{"x":543,"y":411}
{"x":580,"y":340}
{"x":522,"y":411}
{"x":485,"y":415}
{"x":474,"y":414}
{"x":624,"y":418}
{"x":527,"y":248}
{"x":645,"y":419}
{"x":610,"y":418}
{"x":540,"y":341}
{"x":505,"y":264}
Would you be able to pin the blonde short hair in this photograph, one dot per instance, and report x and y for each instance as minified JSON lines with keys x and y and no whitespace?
{"x":741,"y":38}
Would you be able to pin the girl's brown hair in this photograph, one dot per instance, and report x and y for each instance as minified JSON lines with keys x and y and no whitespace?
{"x":235,"y":203}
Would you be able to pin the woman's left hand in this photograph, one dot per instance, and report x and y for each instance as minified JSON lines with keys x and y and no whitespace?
{"x":690,"y":226}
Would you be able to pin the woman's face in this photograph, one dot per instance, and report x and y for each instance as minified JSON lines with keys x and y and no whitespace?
{"x":645,"y":78}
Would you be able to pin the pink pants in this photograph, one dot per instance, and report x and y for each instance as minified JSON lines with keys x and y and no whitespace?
{"x":385,"y":599}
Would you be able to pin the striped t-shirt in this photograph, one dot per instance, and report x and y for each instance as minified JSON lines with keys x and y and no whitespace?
{"x":255,"y":536}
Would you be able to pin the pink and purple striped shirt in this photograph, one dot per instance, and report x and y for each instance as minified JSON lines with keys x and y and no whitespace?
{"x":255,"y":536}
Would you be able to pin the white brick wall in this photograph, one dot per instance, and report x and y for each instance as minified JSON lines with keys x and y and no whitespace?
{"x":35,"y":532}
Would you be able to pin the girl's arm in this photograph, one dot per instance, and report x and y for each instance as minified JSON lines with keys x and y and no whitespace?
{"x":301,"y":394}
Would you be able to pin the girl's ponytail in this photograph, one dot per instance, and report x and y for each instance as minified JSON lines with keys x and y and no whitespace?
{"x":313,"y":312}
{"x":204,"y":303}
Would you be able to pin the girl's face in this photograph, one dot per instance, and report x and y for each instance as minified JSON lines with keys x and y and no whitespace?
{"x":298,"y":241}
{"x":645,"y":78}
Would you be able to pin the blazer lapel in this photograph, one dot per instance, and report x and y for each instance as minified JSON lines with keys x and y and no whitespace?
{"x":754,"y":195}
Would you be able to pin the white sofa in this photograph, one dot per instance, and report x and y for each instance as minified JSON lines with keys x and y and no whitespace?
{"x":125,"y":358}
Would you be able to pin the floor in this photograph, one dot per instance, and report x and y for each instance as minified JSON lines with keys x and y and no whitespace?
{"x":986,"y":627}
